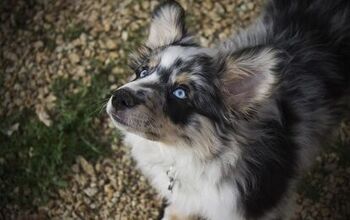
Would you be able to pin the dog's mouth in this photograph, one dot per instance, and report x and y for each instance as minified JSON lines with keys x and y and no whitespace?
{"x":119,"y":117}
{"x":134,"y":121}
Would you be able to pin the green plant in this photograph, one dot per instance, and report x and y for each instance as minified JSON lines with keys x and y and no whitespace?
{"x":34,"y":158}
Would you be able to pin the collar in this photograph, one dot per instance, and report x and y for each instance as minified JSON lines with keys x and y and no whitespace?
{"x":172,"y":176}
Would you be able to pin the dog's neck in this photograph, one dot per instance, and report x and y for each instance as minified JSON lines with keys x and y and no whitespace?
{"x":177,"y":164}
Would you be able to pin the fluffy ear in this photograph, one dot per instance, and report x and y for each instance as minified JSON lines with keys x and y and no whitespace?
{"x":248,"y":79}
{"x":167,"y":25}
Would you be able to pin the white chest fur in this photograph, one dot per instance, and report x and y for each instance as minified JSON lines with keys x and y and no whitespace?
{"x":197,"y":188}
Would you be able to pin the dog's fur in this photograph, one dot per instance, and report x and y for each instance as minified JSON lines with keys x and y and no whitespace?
{"x":256,"y":111}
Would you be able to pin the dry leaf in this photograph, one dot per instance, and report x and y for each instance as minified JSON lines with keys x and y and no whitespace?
{"x":43,"y":116}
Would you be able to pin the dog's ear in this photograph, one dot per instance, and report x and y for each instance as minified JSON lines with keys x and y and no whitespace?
{"x":167,"y":25}
{"x":248,"y":79}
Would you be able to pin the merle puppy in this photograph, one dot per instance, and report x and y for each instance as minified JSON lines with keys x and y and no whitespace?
{"x":224,"y":133}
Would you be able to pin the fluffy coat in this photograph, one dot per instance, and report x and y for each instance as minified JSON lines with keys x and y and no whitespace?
{"x":256,"y":110}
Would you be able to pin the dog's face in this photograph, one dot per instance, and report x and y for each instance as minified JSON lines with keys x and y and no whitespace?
{"x":183,"y":93}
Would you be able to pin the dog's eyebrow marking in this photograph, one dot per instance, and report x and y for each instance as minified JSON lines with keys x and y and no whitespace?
{"x":182,"y":78}
{"x":153,"y":62}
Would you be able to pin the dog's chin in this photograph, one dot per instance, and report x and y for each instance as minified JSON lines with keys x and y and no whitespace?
{"x":120,"y":120}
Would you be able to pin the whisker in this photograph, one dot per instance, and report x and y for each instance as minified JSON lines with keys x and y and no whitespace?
{"x":98,"y":107}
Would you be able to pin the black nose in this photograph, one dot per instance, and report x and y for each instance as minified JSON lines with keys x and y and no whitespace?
{"x":124,"y":98}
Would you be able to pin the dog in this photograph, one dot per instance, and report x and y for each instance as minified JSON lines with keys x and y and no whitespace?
{"x":225,"y":133}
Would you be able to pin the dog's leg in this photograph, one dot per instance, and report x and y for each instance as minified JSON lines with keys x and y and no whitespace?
{"x":171,"y":213}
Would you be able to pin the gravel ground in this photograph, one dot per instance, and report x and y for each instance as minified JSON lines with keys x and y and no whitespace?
{"x":43,"y":40}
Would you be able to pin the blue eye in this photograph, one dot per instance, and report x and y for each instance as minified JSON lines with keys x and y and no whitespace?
{"x":180,"y":93}
{"x":144,"y":73}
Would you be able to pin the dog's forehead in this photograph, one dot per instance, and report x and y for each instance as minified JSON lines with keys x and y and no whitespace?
{"x":170,"y":55}
{"x":171,"y":65}
{"x":179,"y":61}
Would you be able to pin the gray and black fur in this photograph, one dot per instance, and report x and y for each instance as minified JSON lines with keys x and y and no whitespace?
{"x":313,"y":38}
{"x":270,"y":95}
